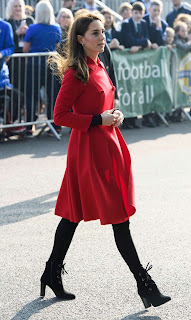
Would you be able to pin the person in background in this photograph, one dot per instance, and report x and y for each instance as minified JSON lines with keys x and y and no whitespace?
{"x":43,"y":36}
{"x":89,"y":5}
{"x":15,"y":15}
{"x":179,"y":7}
{"x":111,"y":34}
{"x":106,"y":58}
{"x":125,"y":10}
{"x":184,"y":18}
{"x":145,"y":2}
{"x":181,"y":39}
{"x":69,"y":4}
{"x":29,"y":11}
{"x":134,"y":34}
{"x":183,"y":42}
{"x":157,"y":30}
{"x":7,"y":47}
{"x":7,"y":92}
{"x":65,"y":19}
{"x":147,"y":5}
{"x":156,"y":25}
{"x":169,"y":37}
{"x":169,"y":43}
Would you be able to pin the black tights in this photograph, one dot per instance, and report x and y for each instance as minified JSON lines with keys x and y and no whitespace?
{"x":122,"y":235}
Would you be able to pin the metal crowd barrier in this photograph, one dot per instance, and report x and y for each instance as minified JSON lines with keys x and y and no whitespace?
{"x":15,"y":101}
{"x":13,"y":108}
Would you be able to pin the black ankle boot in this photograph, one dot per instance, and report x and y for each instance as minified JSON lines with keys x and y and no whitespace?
{"x":148,"y":291}
{"x":52,"y":278}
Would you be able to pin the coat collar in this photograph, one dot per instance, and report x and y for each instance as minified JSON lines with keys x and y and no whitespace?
{"x":92,"y":65}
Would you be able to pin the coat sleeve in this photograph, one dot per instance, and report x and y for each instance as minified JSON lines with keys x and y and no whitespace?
{"x":70,"y":91}
{"x":9,"y":46}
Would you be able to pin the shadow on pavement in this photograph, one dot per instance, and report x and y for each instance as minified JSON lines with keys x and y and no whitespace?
{"x":27,"y":209}
{"x":49,"y":146}
{"x":36,"y":148}
{"x":38,"y":304}
{"x":138,"y":316}
{"x":34,"y":307}
{"x":137,"y":135}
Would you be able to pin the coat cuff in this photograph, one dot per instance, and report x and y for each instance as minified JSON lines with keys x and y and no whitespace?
{"x":96,"y":120}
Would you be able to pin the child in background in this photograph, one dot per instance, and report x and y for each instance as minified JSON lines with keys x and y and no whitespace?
{"x":184,"y":18}
{"x":181,"y":36}
{"x":145,"y":2}
{"x":125,"y":10}
{"x":29,"y":11}
{"x":134,"y":34}
{"x":112,"y":35}
{"x":156,"y":25}
{"x":169,"y":39}
{"x":182,"y":42}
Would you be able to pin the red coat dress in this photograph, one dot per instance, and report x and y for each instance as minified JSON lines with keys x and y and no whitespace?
{"x":98,"y":182}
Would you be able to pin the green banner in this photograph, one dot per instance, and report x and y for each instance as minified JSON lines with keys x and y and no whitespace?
{"x":182,"y":78}
{"x":144,"y":81}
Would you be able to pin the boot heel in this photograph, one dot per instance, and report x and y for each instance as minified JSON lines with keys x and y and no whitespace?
{"x":146,"y":302}
{"x":42,"y":289}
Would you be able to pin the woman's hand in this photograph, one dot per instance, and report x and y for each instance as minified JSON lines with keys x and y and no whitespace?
{"x":112,"y":118}
{"x":22,"y":30}
{"x":120,"y":118}
{"x":109,"y":118}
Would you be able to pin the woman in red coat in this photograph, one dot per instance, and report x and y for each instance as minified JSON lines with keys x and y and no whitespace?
{"x":98,"y":181}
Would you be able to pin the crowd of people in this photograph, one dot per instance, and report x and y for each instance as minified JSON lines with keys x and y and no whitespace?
{"x":40,"y":29}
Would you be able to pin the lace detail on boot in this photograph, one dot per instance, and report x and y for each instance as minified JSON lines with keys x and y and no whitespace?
{"x":145,"y":279}
{"x":148,"y":290}
{"x":61,"y":270}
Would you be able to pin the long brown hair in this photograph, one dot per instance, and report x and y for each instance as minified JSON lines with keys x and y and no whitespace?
{"x":73,"y":55}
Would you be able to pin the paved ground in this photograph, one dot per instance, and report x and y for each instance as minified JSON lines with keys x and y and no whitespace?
{"x":30,"y":177}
